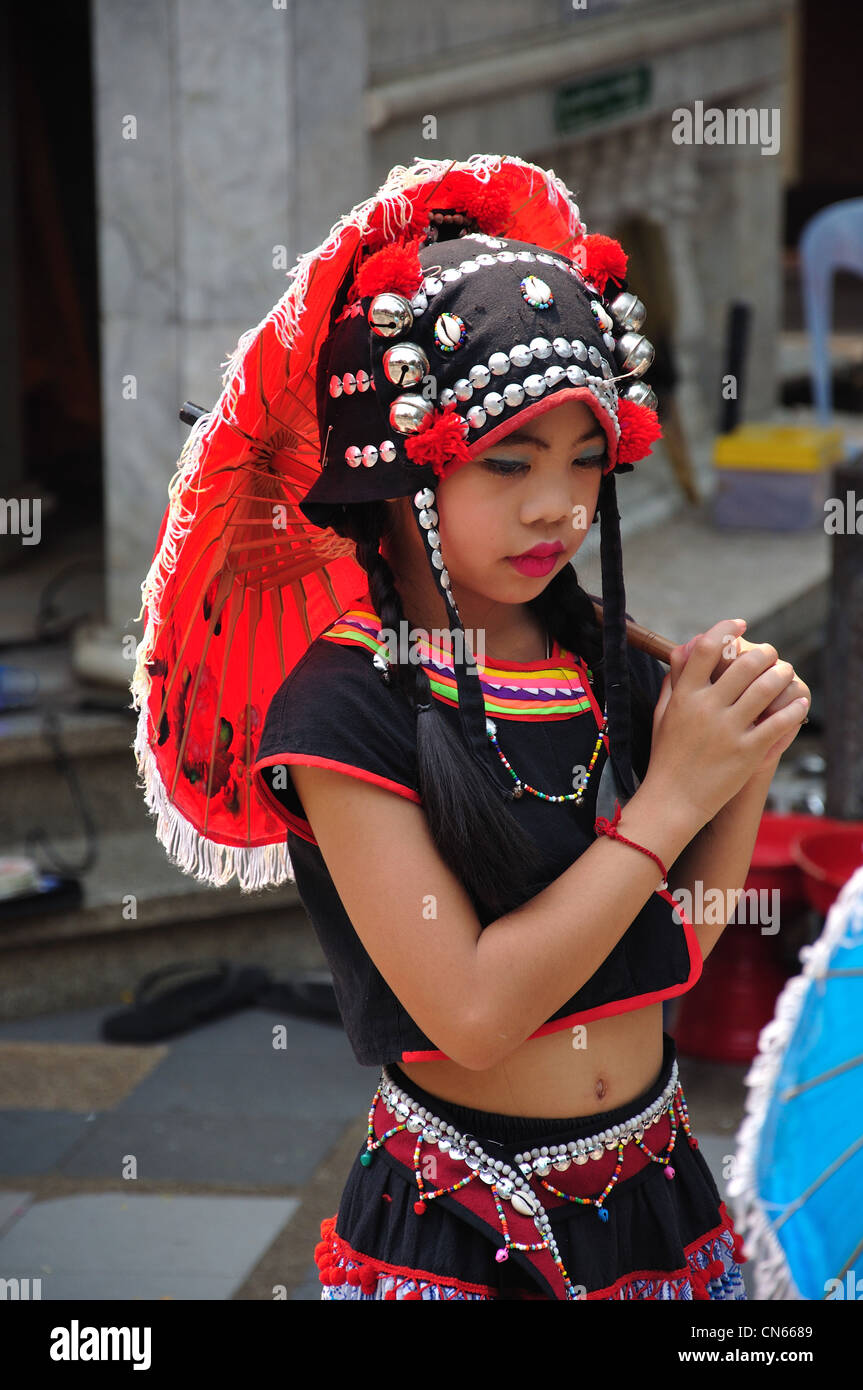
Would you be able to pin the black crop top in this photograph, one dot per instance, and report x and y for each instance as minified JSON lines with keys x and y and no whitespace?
{"x":333,"y":710}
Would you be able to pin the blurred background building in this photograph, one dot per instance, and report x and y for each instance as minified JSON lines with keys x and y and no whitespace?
{"x":166,"y":163}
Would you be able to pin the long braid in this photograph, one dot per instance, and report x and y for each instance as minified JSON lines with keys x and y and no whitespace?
{"x":476,"y":835}
{"x":568,"y":615}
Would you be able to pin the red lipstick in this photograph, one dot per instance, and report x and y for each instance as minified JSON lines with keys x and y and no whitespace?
{"x":538,"y":561}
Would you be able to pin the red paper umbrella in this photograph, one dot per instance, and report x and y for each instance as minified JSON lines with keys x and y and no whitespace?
{"x":241,"y":582}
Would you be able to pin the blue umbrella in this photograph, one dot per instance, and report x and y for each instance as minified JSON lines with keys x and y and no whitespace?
{"x":798,"y":1173}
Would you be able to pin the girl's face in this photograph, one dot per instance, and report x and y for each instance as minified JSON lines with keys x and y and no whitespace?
{"x":537,"y":486}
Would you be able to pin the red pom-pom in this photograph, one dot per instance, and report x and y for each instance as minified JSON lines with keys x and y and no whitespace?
{"x":600,"y":258}
{"x":406,"y":1296}
{"x":440,"y":441}
{"x":419,"y":1208}
{"x":639,"y":428}
{"x":488,"y":204}
{"x":368,"y":1279}
{"x":395,"y":268}
{"x":698,"y":1289}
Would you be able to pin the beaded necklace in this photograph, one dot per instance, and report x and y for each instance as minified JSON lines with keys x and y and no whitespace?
{"x":520,"y":785}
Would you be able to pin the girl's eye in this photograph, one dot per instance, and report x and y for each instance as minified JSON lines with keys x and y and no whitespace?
{"x":511,"y":467}
{"x":504,"y":466}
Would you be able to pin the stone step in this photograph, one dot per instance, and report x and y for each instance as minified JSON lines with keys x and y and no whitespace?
{"x":35,"y":791}
{"x":138,"y":912}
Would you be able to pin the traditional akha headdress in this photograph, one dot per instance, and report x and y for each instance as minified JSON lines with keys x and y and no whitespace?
{"x":462,"y":297}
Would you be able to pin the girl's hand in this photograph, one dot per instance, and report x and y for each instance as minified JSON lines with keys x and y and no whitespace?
{"x":712,"y":732}
{"x":733,"y":646}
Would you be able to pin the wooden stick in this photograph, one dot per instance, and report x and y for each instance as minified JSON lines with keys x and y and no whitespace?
{"x":641,"y":637}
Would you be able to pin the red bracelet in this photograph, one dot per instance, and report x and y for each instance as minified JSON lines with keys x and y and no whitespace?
{"x":604,"y":826}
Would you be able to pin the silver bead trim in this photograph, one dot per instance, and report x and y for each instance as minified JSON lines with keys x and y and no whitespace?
{"x":433,"y":284}
{"x":424,"y":501}
{"x":513,"y":1184}
{"x":368,"y":454}
{"x":538,"y":1161}
{"x":500,"y":364}
{"x":350,"y":382}
{"x":535,"y":385}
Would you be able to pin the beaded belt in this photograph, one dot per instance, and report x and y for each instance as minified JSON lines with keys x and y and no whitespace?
{"x":509,"y":1186}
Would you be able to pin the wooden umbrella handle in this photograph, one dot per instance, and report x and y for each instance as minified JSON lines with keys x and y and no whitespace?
{"x":641,"y":637}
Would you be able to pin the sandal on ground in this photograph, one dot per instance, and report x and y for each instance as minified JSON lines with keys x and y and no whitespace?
{"x":162,"y":1009}
{"x":309,"y":995}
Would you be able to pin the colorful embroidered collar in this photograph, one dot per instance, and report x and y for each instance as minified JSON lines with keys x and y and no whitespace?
{"x":556,"y":688}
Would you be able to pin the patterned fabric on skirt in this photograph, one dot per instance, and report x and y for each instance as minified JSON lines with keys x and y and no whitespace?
{"x":661,"y":1231}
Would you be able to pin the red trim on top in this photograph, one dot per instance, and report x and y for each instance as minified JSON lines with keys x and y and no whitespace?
{"x":547,"y":402}
{"x":296,"y":823}
{"x":617,"y":1006}
{"x":300,"y":827}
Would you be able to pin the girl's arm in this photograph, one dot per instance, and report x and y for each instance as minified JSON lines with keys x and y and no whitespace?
{"x":719,"y":857}
{"x":478,"y":994}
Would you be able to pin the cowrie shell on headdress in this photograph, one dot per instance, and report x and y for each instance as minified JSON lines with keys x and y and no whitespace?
{"x":449,"y":332}
{"x":536,"y":292}
{"x":603,"y":318}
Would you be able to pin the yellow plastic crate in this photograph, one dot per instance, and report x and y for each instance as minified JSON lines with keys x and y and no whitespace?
{"x":779,"y":448}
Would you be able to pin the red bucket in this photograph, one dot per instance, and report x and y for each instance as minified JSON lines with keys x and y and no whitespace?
{"x":722,"y":1017}
{"x":773,"y":864}
{"x":827,"y":858}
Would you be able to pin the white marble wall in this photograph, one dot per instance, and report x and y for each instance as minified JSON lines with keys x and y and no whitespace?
{"x":246,"y":139}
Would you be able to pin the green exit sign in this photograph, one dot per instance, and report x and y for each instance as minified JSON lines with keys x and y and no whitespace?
{"x":582,"y":104}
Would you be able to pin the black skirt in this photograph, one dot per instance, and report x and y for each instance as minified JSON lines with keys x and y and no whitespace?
{"x":650,"y":1236}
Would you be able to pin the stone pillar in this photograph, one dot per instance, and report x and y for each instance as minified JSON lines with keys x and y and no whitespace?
{"x":228,"y":142}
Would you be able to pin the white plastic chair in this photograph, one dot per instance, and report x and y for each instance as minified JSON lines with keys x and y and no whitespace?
{"x":831,"y":240}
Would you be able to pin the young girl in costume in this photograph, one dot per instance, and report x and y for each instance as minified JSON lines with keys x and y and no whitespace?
{"x":489,"y":797}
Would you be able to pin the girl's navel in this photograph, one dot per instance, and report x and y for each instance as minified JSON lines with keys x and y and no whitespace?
{"x":600,"y":1088}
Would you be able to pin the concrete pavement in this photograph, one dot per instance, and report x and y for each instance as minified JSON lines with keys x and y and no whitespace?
{"x":201,"y":1167}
